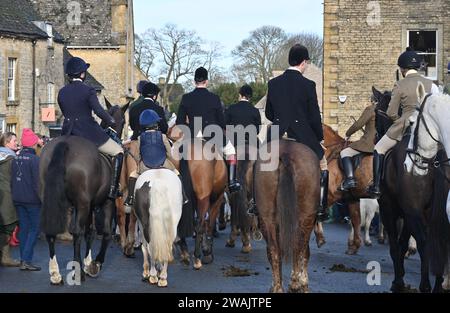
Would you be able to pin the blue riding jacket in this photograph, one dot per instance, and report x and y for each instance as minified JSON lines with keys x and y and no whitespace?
{"x":152,"y":148}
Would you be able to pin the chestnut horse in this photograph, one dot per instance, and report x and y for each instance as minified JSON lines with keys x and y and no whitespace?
{"x":288,"y":198}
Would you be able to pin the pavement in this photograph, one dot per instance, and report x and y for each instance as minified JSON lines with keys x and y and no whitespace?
{"x":330,"y":270}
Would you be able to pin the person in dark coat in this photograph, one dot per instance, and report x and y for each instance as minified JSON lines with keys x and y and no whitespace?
{"x":243,"y":113}
{"x":8,"y":215}
{"x":139,"y":89}
{"x":150,"y":91}
{"x":207,"y":107}
{"x":292,"y":106}
{"x":77,"y":101}
{"x":25,"y":192}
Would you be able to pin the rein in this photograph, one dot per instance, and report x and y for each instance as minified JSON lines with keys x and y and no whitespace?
{"x":430,"y":162}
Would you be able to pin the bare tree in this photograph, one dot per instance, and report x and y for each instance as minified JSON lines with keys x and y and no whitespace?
{"x":143,"y":57}
{"x":259,"y":52}
{"x":180,"y":52}
{"x":313,"y":42}
{"x":211,"y":56}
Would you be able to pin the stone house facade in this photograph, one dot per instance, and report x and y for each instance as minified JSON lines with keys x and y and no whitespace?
{"x":362,"y":42}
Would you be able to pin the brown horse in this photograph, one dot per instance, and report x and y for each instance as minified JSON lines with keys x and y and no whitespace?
{"x":288,"y":198}
{"x":334,"y":145}
{"x":126,"y":220}
{"x":241,"y":222}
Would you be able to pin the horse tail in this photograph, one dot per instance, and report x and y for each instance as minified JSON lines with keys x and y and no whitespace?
{"x":161,"y":225}
{"x":55,"y":204}
{"x":439,"y":230}
{"x":241,"y":202}
{"x":287,"y":207}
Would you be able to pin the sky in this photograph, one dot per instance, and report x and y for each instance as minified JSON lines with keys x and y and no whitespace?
{"x":229,"y":21}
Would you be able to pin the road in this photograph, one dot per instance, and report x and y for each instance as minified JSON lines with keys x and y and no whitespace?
{"x":123,"y":275}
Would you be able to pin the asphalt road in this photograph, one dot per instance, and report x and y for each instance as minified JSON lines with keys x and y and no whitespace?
{"x":123,"y":275}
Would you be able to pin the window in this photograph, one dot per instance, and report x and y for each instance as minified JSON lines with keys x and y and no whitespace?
{"x":425,"y":42}
{"x":50,"y":93}
{"x":12,"y":64}
{"x":11,"y":127}
{"x":2,"y":124}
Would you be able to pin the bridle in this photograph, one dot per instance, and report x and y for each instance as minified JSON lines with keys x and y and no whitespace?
{"x":429,"y":162}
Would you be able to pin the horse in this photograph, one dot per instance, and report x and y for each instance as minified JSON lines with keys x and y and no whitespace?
{"x":73,"y":174}
{"x":288,"y":198}
{"x":428,"y":132}
{"x":126,"y":217}
{"x":241,"y":222}
{"x":158,"y":207}
{"x":404,"y":202}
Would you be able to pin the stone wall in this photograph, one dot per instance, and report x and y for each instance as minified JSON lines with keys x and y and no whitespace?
{"x":360,"y":53}
{"x":48,"y":63}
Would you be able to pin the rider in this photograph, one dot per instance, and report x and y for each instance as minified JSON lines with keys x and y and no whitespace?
{"x":77,"y":101}
{"x":243,"y":113}
{"x":203,"y":104}
{"x":150,"y":91}
{"x":154,"y":151}
{"x":404,"y":97}
{"x":364,"y":145}
{"x":139,"y":89}
{"x":296,"y":112}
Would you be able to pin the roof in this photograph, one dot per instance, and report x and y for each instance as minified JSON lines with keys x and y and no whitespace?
{"x":16,"y":19}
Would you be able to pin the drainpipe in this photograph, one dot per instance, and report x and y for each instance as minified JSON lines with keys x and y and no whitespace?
{"x":33,"y":110}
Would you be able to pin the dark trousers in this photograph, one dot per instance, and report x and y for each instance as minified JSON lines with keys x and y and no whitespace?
{"x":29,"y":219}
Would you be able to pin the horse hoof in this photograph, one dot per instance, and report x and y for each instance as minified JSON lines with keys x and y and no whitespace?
{"x":298,"y":289}
{"x":381,"y":241}
{"x":207,"y":259}
{"x":145,"y":279}
{"x":257,"y":236}
{"x":93,"y":269}
{"x":229,"y":244}
{"x":185,"y":259}
{"x":320,"y":243}
{"x":277,"y":289}
{"x":368,"y":243}
{"x":246,"y":249}
{"x":129,"y":255}
{"x":411,"y":251}
{"x":197,"y":264}
{"x":153,"y":280}
{"x":162,"y":283}
{"x":56,"y":281}
{"x":222,"y":226}
{"x":351,"y":251}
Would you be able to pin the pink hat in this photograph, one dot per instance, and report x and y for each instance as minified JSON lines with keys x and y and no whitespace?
{"x":29,"y":138}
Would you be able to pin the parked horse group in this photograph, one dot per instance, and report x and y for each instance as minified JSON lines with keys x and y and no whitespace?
{"x":415,"y":200}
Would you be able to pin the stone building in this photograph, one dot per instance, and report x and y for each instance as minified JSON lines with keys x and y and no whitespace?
{"x":31,"y":72}
{"x":102,"y":33}
{"x":362,"y":41}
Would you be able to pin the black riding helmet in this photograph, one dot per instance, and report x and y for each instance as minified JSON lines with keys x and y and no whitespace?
{"x":75,"y":66}
{"x":409,"y":60}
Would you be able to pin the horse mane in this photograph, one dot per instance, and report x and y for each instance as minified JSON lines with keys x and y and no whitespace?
{"x":333,"y":142}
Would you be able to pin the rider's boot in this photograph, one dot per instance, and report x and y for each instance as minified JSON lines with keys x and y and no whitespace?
{"x":350,"y":181}
{"x":131,"y":185}
{"x":322,"y":214}
{"x":378,"y":163}
{"x":117,"y":168}
{"x":233,"y":184}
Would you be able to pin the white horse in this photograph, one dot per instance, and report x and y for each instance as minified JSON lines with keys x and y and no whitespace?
{"x":431,"y":126}
{"x":158,"y":207}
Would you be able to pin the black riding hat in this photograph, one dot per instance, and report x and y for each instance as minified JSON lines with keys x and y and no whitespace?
{"x":409,"y":60}
{"x":141,"y":85}
{"x":76,"y":66}
{"x":246,"y":91}
{"x":150,"y":89}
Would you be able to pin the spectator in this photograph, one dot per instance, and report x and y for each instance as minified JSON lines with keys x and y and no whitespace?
{"x":25,"y":191}
{"x":8,"y":216}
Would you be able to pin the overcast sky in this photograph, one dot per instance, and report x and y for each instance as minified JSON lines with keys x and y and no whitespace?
{"x":229,"y":21}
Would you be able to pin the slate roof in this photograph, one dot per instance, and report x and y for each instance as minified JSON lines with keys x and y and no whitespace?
{"x":16,"y":18}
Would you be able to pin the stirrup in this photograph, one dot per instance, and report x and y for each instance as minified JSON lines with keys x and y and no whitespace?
{"x":129,"y":201}
{"x":234,"y":186}
{"x":252,"y":210}
{"x":322,"y":216}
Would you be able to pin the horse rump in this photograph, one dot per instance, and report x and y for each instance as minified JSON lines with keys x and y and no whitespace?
{"x":55,"y":204}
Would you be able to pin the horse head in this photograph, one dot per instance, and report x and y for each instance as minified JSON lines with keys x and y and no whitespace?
{"x":118,"y":113}
{"x":382,"y":121}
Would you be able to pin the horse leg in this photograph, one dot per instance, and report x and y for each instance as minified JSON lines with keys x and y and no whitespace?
{"x":121,"y":217}
{"x":412,"y":247}
{"x":55,"y":276}
{"x":184,"y":253}
{"x":233,"y":236}
{"x":245,"y":237}
{"x":208,"y":256}
{"x":274,"y":256}
{"x":200,"y":230}
{"x":446,"y":282}
{"x":83,"y":220}
{"x":368,"y":221}
{"x":299,"y":276}
{"x":89,"y":238}
{"x":146,"y":272}
{"x":418,"y":231}
{"x":96,"y":266}
{"x":355,"y":216}
{"x":130,"y":239}
{"x":162,"y":282}
{"x":153,"y":279}
{"x":222,"y":218}
{"x":381,"y":237}
{"x":320,"y":237}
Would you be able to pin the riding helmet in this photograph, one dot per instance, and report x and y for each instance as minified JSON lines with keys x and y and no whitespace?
{"x":201,"y":74}
{"x":76,"y":66}
{"x":148,"y":118}
{"x":140,"y":86}
{"x":150,"y":89}
{"x":409,"y":60}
